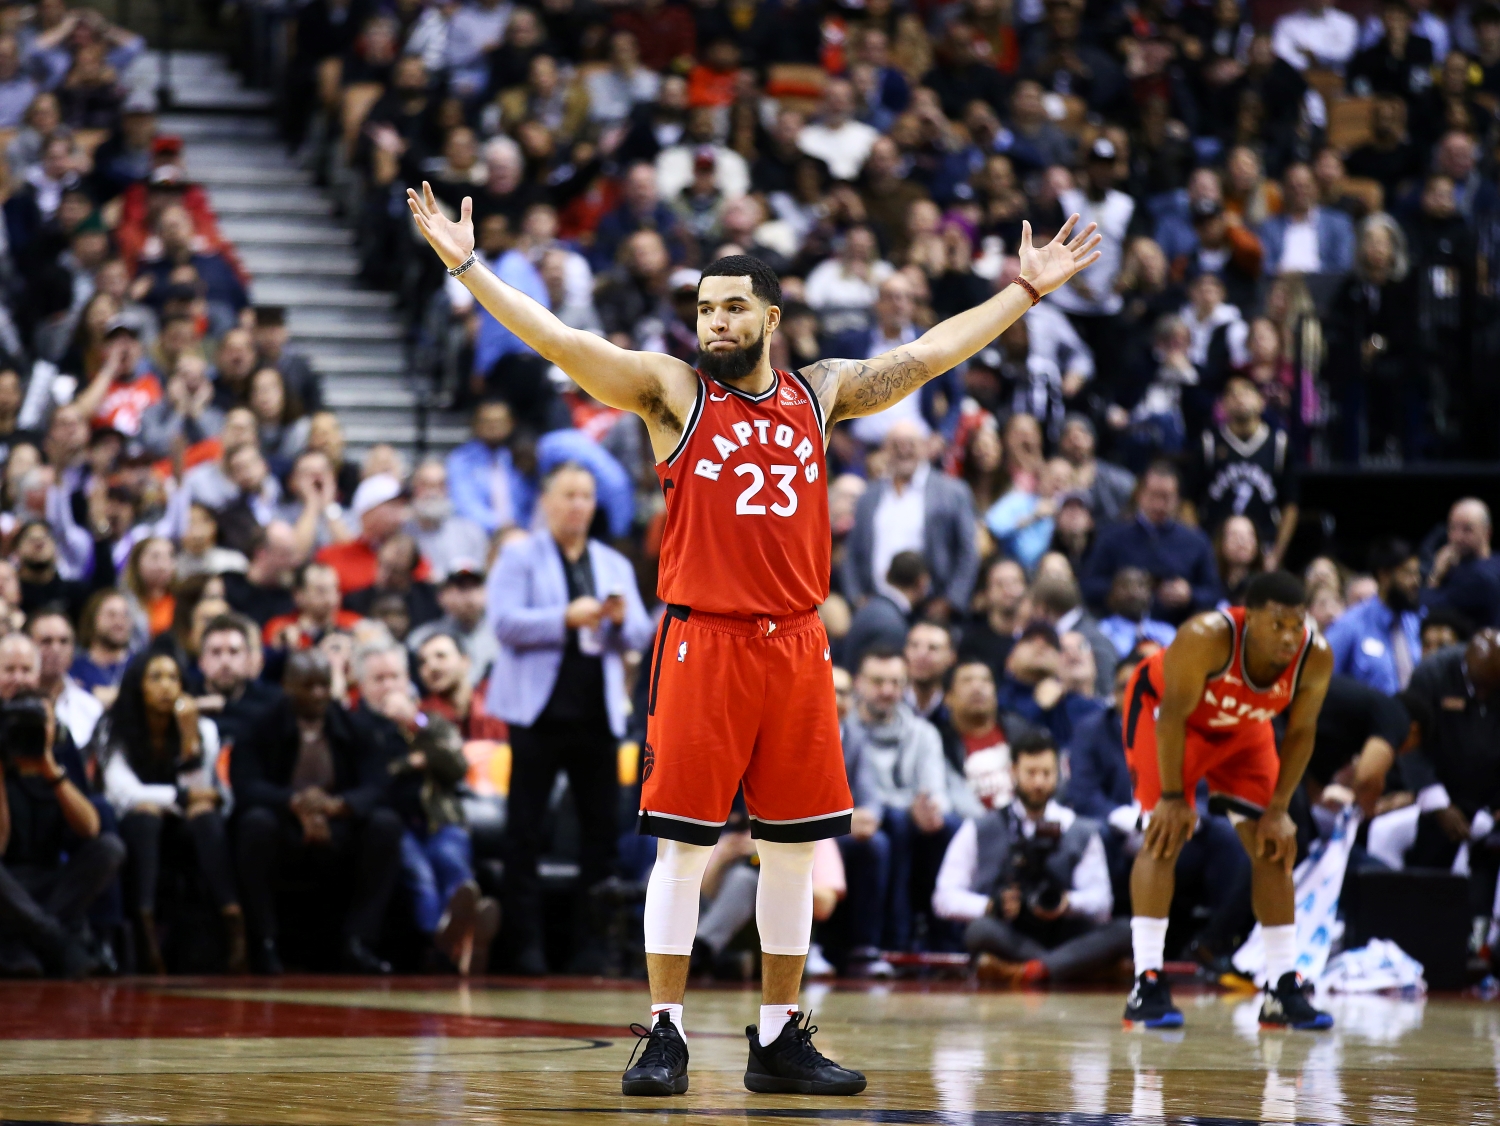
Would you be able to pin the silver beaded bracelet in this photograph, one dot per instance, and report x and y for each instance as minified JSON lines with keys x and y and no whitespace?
{"x":464,"y":266}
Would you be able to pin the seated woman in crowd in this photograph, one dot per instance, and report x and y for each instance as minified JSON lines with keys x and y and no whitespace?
{"x":160,"y":771}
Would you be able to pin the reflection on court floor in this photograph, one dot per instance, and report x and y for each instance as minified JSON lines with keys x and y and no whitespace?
{"x":347,"y":1051}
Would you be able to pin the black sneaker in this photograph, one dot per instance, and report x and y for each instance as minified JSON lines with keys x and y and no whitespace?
{"x":1287,"y":1006}
{"x":1150,"y":1004}
{"x":663,"y":1066}
{"x":790,"y":1065}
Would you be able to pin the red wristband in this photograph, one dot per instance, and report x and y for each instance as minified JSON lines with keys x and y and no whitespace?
{"x":1028,"y":287}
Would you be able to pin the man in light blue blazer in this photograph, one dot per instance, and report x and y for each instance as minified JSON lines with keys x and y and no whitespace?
{"x":565,"y":609}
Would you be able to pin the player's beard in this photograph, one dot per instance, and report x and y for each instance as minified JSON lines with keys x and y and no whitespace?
{"x":732,"y":366}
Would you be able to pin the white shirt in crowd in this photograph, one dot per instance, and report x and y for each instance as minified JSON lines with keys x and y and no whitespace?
{"x":78,"y":710}
{"x":843,"y":149}
{"x":843,"y":298}
{"x":1299,"y":249}
{"x":954,"y":898}
{"x":1092,"y":293}
{"x":1328,"y":38}
{"x":674,"y":171}
{"x":900,"y":518}
{"x":1237,"y":337}
{"x":124,"y":790}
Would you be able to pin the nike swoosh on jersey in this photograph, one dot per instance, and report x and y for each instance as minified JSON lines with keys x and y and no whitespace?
{"x":718,"y":398}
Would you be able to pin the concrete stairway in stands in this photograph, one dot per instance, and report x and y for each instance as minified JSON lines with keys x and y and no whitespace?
{"x":299,"y":253}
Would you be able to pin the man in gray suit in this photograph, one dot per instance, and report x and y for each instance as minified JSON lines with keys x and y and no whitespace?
{"x":565,"y":609}
{"x":914,"y":508}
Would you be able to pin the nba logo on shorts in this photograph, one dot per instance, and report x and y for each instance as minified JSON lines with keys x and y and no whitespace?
{"x":682,"y":652}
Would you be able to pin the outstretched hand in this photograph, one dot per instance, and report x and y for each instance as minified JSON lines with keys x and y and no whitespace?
{"x":1049,"y":267}
{"x":454,"y":242}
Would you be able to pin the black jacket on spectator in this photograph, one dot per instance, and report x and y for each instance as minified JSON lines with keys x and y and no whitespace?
{"x":260,"y":770}
{"x":39,"y":834}
{"x":1462,"y":751}
{"x":1395,"y":169}
{"x":259,"y":602}
{"x":784,"y":31}
{"x":241,"y":714}
{"x":1098,"y":776}
{"x":1376,"y":71}
{"x":1470,"y":588}
{"x":1172,"y":551}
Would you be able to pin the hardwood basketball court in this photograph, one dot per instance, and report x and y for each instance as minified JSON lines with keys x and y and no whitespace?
{"x":343,"y":1051}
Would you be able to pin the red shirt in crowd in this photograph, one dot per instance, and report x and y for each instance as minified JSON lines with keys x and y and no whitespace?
{"x":124,"y":404}
{"x":478,"y":724}
{"x":272,"y":639}
{"x":355,"y":563}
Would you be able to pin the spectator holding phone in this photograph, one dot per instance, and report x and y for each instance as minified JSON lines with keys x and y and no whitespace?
{"x":565,"y":609}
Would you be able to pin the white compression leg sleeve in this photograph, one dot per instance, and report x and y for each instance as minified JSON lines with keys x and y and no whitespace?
{"x":672,"y":897}
{"x":783,"y":902}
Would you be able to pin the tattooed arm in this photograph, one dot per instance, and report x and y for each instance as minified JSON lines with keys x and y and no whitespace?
{"x":851,"y":388}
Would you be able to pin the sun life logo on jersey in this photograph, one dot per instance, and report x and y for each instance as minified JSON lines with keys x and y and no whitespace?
{"x":790,"y":398}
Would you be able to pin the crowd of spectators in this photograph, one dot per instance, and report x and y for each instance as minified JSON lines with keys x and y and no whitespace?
{"x":305,"y":701}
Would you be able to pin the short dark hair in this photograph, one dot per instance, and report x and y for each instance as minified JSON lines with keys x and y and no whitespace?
{"x":1161,"y":467}
{"x":569,"y":466}
{"x":1461,"y":626}
{"x":1032,"y":743}
{"x":880,"y":651}
{"x":763,"y":280}
{"x":58,"y":610}
{"x":1281,"y":587}
{"x":907,"y":569}
{"x":1388,"y":554}
{"x":229,"y":623}
{"x":299,"y":576}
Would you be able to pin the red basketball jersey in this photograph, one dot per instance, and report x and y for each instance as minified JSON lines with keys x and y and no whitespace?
{"x":1231,"y":701}
{"x":747,"y":506}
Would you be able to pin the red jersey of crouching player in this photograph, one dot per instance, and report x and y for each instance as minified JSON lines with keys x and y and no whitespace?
{"x":741,"y":681}
{"x":1228,"y":738}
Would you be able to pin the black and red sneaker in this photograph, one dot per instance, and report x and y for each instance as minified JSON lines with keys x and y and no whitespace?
{"x":1287,"y":1006}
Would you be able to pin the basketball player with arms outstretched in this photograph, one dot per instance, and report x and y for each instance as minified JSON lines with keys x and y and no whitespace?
{"x":741,"y":686}
{"x":1201,"y":709}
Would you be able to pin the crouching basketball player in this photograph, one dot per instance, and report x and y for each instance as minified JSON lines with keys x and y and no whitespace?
{"x":1202,"y":709}
{"x":741,"y":690}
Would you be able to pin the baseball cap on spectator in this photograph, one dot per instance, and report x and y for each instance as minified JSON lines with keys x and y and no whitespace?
{"x":166,"y":144}
{"x":373,"y":491}
{"x":465,"y":569}
{"x":123,"y":322}
{"x":704,"y":158}
{"x":168,"y":176}
{"x":684,"y":277}
{"x":1103,"y":149}
{"x":1205,"y":209}
{"x":1044,"y":632}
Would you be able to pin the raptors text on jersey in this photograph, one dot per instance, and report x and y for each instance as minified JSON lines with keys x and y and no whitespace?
{"x":747,"y":504}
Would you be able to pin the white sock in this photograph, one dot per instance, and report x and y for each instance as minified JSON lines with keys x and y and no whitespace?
{"x":1280,"y":945}
{"x":674,"y":1014}
{"x":1148,"y":941}
{"x":773,"y":1018}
